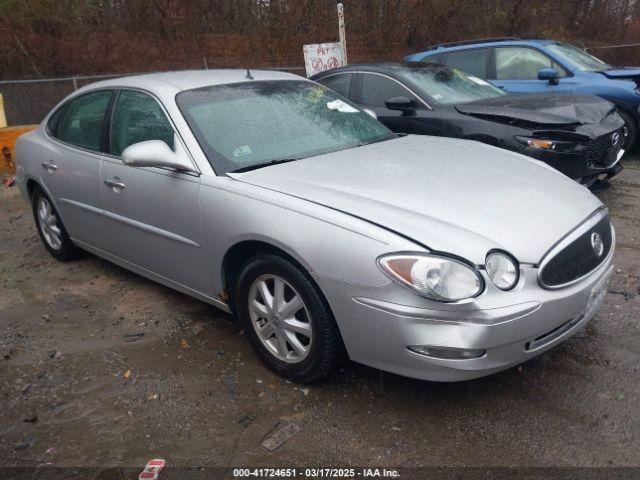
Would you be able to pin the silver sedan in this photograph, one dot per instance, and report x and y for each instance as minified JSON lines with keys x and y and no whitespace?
{"x":329,"y":237}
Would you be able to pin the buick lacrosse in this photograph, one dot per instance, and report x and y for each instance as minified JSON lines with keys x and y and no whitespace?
{"x":328,"y":236}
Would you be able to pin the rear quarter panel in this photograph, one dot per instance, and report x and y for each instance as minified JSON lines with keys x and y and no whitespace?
{"x":30,"y":149}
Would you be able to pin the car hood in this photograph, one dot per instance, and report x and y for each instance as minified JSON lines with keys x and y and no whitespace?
{"x":543,"y":109}
{"x":450,"y":195}
{"x":622,"y":72}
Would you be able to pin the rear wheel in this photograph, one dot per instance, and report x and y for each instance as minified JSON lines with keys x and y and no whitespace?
{"x":286,"y":319}
{"x":632,"y":131}
{"x":50,"y":228}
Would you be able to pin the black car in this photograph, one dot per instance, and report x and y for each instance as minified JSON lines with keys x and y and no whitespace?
{"x":580,"y":135}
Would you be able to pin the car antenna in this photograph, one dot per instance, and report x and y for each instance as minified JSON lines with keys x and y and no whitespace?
{"x":248,"y":75}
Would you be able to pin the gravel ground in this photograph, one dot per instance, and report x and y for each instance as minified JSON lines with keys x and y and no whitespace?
{"x":103,"y":368}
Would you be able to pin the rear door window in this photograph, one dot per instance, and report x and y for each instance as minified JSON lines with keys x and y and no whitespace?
{"x":82,"y":122}
{"x":338,"y":83}
{"x":138,"y":118}
{"x":473,"y":62}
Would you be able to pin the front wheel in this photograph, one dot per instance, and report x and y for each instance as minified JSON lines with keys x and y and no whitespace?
{"x":286,"y":319}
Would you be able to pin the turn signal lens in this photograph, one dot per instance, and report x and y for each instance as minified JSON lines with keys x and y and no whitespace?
{"x":502,"y":270}
{"x":560,"y":144}
{"x":435,"y":277}
{"x":541,"y":144}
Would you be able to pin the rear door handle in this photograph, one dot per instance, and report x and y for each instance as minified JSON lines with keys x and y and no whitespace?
{"x":115,"y":184}
{"x":50,"y":166}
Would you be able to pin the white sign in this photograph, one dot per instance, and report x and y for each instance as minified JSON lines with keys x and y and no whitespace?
{"x":322,"y":56}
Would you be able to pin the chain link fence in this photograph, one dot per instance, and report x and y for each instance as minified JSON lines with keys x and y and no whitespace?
{"x":28,"y":101}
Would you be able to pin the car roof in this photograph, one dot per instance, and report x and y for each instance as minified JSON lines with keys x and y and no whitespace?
{"x":382,"y":67}
{"x":161,"y":82}
{"x":485,"y":42}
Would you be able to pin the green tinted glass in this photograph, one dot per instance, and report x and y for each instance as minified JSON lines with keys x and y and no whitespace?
{"x":138,"y":118}
{"x":81,"y":124}
{"x":245,"y":124}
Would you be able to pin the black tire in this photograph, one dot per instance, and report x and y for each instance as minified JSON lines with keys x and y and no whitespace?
{"x":67,"y":250}
{"x":327,"y":350}
{"x":632,"y":131}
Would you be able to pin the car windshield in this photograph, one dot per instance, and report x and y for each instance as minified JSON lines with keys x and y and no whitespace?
{"x":445,"y":85}
{"x":247,"y":125}
{"x":579,"y":58}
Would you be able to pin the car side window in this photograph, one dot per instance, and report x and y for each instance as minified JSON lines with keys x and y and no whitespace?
{"x":519,"y":63}
{"x":138,"y":117}
{"x":473,"y":62}
{"x":433,"y":58}
{"x":80,"y":122}
{"x":377,"y":89}
{"x":338,"y":83}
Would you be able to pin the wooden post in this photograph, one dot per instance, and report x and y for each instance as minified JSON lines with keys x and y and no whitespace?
{"x":3,"y":118}
{"x":342,"y":32}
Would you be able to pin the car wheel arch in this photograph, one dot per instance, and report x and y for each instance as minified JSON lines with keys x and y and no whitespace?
{"x":31,"y":187}
{"x":237,"y":256}
{"x":32,"y":184}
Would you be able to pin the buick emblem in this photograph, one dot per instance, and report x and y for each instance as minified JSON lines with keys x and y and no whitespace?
{"x":615,"y":138}
{"x":596,"y":243}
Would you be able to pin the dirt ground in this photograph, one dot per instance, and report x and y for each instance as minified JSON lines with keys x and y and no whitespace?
{"x":102,"y":368}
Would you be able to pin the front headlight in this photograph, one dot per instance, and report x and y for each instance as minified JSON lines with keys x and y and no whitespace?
{"x":432,"y":276}
{"x":502,"y":270}
{"x":548,"y":144}
{"x":538,"y":143}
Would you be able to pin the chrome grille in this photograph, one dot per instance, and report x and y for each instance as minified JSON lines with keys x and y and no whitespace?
{"x":601,"y":152}
{"x":576,"y":256}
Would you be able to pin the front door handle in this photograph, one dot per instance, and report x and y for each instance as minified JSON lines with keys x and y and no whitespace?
{"x":50,"y":166}
{"x":115,"y":184}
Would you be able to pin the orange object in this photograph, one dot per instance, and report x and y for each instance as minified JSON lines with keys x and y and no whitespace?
{"x":8,"y":137}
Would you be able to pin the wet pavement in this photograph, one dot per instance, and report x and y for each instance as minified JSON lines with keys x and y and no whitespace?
{"x":101,"y":367}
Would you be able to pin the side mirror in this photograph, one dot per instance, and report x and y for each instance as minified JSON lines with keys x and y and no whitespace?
{"x":155,"y":153}
{"x":370,"y":112}
{"x":548,"y":74}
{"x":403,"y":104}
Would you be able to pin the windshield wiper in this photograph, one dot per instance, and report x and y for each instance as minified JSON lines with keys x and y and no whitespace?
{"x":263,"y":164}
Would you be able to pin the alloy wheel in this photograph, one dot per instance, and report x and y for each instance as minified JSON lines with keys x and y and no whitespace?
{"x":49,"y":224}
{"x":280,"y":318}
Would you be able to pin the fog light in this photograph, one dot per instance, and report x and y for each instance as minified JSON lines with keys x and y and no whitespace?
{"x":502,"y":270}
{"x":447,"y":353}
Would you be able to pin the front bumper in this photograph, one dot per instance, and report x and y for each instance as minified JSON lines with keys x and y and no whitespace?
{"x":573,"y":164}
{"x":379,"y":324}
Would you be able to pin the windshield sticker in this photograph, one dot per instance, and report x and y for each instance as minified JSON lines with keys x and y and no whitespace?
{"x":477,"y":80}
{"x":341,"y":106}
{"x":242,"y":151}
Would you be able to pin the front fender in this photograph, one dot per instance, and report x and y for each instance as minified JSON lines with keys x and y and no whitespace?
{"x":324,"y":241}
{"x":623,"y":97}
